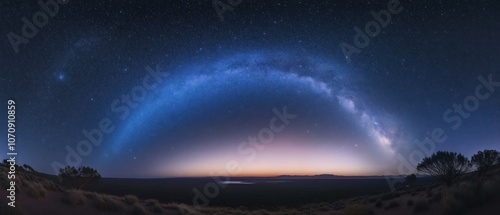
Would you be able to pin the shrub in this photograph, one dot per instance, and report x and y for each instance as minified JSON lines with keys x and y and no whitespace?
{"x":262,"y":212}
{"x":172,"y":206}
{"x":288,"y":212}
{"x":338,"y":206}
{"x":184,"y":209}
{"x":78,"y":178}
{"x":323,"y":208}
{"x":156,"y":208}
{"x":49,"y":185}
{"x":410,"y":179}
{"x":138,"y":209}
{"x":35,"y":190}
{"x":28,"y":168}
{"x":75,"y":197}
{"x":151,"y":202}
{"x":393,"y":204}
{"x":484,"y":160}
{"x":108,"y":203}
{"x":387,"y":196}
{"x":356,"y":210}
{"x":445,"y":165}
{"x":131,"y":199}
{"x":154,"y":205}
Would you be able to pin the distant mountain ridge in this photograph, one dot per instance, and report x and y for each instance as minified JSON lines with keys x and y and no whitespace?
{"x":325,"y":176}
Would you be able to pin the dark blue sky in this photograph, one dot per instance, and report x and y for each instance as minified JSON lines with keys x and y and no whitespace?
{"x":175,"y":91}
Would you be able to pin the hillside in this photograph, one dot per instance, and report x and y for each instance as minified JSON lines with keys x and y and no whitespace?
{"x":469,"y":195}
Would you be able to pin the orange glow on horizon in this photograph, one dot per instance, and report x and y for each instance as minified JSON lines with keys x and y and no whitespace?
{"x":279,"y":158}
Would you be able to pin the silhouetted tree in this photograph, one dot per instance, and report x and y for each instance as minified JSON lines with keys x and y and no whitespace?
{"x":78,"y":178}
{"x":484,"y":160}
{"x":410,"y":179}
{"x":28,"y":168}
{"x":445,"y":165}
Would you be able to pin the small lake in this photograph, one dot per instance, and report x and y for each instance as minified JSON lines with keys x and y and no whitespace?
{"x":236,"y":182}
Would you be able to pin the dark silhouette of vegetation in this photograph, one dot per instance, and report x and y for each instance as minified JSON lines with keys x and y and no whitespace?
{"x":484,"y":160}
{"x":6,"y":162}
{"x":78,"y":178}
{"x":445,"y":165}
{"x":28,"y":168}
{"x":410,"y":179}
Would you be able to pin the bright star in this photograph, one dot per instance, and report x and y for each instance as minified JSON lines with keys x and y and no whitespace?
{"x":60,"y":76}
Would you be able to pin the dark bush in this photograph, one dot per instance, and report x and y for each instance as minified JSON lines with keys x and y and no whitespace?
{"x":393,"y":204}
{"x":387,"y":196}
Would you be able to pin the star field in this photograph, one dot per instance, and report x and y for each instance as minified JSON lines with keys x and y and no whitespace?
{"x":180,"y":90}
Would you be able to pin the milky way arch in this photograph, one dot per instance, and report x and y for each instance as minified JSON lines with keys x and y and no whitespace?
{"x":233,"y":92}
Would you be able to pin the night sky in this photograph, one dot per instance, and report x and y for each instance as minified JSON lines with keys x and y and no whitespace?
{"x":176,"y":91}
